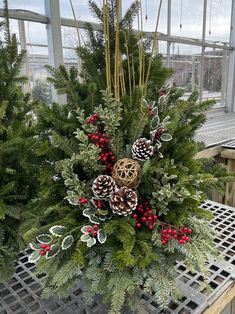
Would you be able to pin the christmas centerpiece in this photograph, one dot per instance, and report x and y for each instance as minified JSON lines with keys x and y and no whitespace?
{"x":135,"y":206}
{"x":121,"y":187}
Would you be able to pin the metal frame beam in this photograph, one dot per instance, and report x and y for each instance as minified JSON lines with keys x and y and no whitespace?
{"x":203,"y":49}
{"x":38,"y":18}
{"x":230,"y":96}
{"x":54,"y":38}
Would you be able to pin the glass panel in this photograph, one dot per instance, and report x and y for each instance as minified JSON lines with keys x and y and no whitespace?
{"x":185,"y":60}
{"x":149,"y":13}
{"x":81,"y":8}
{"x":30,"y":5}
{"x":187,"y":18}
{"x":214,"y":76}
{"x":218,"y":19}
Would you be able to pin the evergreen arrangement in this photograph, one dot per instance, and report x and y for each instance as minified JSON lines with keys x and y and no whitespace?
{"x":18,"y":172}
{"x":121,"y":188}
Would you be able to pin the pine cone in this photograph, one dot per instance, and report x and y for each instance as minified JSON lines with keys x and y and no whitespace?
{"x":103,"y":186}
{"x":123,"y":201}
{"x":142,"y":149}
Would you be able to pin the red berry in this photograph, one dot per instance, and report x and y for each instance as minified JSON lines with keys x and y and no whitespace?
{"x":42,"y":252}
{"x":135,"y":216}
{"x":169,"y":231}
{"x":43,"y":245}
{"x":164,"y":242}
{"x":89,"y":229}
{"x":175,"y":236}
{"x":143,"y":219}
{"x":150,"y":218}
{"x":155,"y":217}
{"x":186,"y":238}
{"x":150,"y":212}
{"x":150,"y":227}
{"x":138,"y":225}
{"x":48,"y":248}
{"x":164,"y":231}
{"x":184,"y":229}
{"x":174,"y":232}
{"x":95,"y":227}
{"x":190,"y":230}
{"x":94,"y":233}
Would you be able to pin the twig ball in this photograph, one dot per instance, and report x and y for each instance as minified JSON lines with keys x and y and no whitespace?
{"x":127,"y":172}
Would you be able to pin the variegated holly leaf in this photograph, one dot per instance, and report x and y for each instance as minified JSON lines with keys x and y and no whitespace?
{"x":88,"y":212}
{"x":34,"y":257}
{"x":155,"y":122}
{"x":91,"y":242}
{"x":94,"y":219}
{"x":67,"y":242}
{"x":35,"y":246}
{"x":166,"y":137}
{"x":85,"y":237}
{"x":57,"y":231}
{"x":155,"y":111}
{"x":158,"y":145}
{"x":84,"y":228}
{"x":55,"y":248}
{"x":101,"y":236}
{"x":44,"y":238}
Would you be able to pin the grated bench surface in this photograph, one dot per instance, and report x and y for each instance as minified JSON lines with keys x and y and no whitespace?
{"x":21,"y":295}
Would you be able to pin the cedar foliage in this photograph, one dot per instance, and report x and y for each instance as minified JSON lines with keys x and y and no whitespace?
{"x":18,"y":172}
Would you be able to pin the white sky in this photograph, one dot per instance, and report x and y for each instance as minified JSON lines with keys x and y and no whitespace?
{"x":190,"y":15}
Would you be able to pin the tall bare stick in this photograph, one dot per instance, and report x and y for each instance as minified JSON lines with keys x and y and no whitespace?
{"x":153,"y":49}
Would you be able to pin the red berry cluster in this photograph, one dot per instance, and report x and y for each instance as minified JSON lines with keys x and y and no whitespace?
{"x":158,"y":134}
{"x":150,"y":112}
{"x":162,"y":92}
{"x":109,"y":159}
{"x":45,"y":248}
{"x":99,"y":139}
{"x":93,"y":230}
{"x":83,"y":200}
{"x":178,"y":234}
{"x":144,"y":215}
{"x":92,"y":119}
{"x":98,"y":203}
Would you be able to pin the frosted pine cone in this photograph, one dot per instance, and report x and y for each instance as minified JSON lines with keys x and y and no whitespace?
{"x":103,"y":186}
{"x":142,"y":149}
{"x":123,"y":201}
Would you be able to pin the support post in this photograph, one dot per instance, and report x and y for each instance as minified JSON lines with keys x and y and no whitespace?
{"x":231,"y":65}
{"x":203,"y":49}
{"x":52,"y":9}
{"x":168,"y":33}
{"x":224,"y":78}
{"x":23,"y":45}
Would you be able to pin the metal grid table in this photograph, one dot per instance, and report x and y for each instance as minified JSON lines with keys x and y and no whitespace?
{"x":21,"y":295}
{"x":218,"y":129}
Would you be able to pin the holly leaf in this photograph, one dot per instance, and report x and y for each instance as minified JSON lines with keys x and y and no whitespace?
{"x":101,"y":236}
{"x":155,"y":122}
{"x":55,"y":248}
{"x":84,"y":228}
{"x":155,"y":111}
{"x":166,"y":137}
{"x":67,"y":242}
{"x":91,"y":242}
{"x":34,"y":257}
{"x":94,"y":219}
{"x":35,"y":246}
{"x":88,"y":212}
{"x":57,"y":230}
{"x":44,"y":238}
{"x":85,"y":237}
